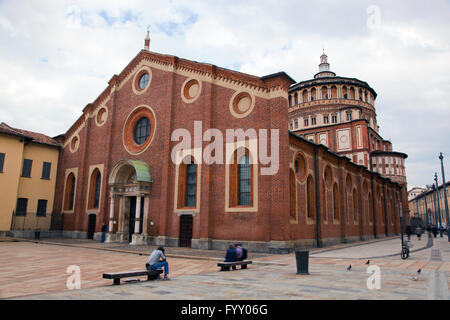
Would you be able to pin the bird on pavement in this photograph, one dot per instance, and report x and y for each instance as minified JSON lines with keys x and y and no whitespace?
{"x":349,"y":267}
{"x":419,"y":271}
{"x":368,"y":262}
{"x":414,"y":279}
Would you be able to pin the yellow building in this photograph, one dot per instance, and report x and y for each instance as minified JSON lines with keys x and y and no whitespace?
{"x":430,"y":206}
{"x":28,"y":165}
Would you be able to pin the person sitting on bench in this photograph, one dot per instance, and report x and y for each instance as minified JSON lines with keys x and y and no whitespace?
{"x":157,"y":260}
{"x":230,"y":255}
{"x":241,"y":253}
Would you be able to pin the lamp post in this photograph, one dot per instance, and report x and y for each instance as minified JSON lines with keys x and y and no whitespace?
{"x":441,"y":157}
{"x":438,"y":203}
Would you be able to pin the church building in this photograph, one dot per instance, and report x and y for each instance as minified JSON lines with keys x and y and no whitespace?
{"x":182,"y":153}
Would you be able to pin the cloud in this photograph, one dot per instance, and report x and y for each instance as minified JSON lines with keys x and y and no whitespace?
{"x":57,"y":56}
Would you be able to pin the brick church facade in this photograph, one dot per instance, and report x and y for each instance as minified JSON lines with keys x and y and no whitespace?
{"x":117,"y":168}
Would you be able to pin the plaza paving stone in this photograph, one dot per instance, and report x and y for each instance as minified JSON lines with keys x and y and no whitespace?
{"x":38,"y":271}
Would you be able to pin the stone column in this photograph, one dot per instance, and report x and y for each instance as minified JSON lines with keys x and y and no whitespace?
{"x":111,"y":213}
{"x":146,"y":204}
{"x":110,"y":235}
{"x":138,"y":214}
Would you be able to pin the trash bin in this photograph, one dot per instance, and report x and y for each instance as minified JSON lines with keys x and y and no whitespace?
{"x":37,"y":234}
{"x":302,"y":258}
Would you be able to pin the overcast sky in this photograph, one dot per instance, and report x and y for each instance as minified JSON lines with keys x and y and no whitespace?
{"x":57,"y":56}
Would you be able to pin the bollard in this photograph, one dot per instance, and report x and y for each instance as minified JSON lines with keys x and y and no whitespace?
{"x":302,"y":258}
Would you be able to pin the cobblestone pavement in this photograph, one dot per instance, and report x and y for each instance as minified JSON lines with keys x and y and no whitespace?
{"x":38,"y":271}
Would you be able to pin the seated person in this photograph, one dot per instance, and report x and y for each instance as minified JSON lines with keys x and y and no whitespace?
{"x":157,"y":260}
{"x":239,"y":252}
{"x":230,"y":255}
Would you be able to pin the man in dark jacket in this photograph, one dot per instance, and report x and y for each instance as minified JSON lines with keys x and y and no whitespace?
{"x":230,"y":255}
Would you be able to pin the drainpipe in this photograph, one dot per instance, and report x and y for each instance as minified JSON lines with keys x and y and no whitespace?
{"x":317,"y":196}
{"x":385,"y":210}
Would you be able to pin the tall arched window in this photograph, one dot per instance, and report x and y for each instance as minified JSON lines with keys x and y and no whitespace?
{"x":94,"y":189}
{"x":293,"y":194}
{"x":310,"y":198}
{"x":370,"y":207}
{"x":296,"y":98}
{"x":355,"y":206}
{"x":187,"y":184}
{"x":244,"y":181}
{"x":336,"y":214}
{"x":191,"y":184}
{"x":323,"y":201}
{"x":70,"y":192}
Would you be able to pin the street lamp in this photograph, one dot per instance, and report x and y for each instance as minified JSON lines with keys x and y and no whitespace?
{"x":438,"y":203}
{"x":441,"y":157}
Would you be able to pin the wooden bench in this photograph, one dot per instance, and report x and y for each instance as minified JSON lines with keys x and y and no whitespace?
{"x":225,"y":266}
{"x":151,"y":275}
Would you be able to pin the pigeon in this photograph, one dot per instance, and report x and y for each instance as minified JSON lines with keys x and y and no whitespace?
{"x":419,"y":271}
{"x":349,"y":267}
{"x":368,"y":262}
{"x":414,"y":278}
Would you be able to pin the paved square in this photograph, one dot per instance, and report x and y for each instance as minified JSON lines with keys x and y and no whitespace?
{"x":38,"y":271}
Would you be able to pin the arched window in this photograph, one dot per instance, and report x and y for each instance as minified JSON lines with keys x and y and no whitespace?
{"x":191,"y":184}
{"x":244,"y":181}
{"x":305,"y":95}
{"x":355,"y":206}
{"x":241,"y":180}
{"x":187,"y":184}
{"x":310,"y":198}
{"x":323,"y":203}
{"x":313,"y":94}
{"x":324,"y":92}
{"x":344,"y":92}
{"x":290,"y":100}
{"x":293,"y":194}
{"x":370,"y":208}
{"x":336,"y":214}
{"x":352,"y":93}
{"x":94,"y":189}
{"x":70,"y":192}
{"x":333,"y":92}
{"x":296,"y":98}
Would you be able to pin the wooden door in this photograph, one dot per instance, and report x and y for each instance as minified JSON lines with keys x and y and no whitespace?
{"x":186,"y":222}
{"x":91,"y":226}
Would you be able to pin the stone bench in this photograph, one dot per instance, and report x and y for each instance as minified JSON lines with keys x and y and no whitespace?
{"x":151,"y":275}
{"x":225,"y":266}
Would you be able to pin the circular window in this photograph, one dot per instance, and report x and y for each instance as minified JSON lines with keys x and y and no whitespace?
{"x":241,"y":104}
{"x":102,"y":115}
{"x":139,"y":129}
{"x":142,"y":130}
{"x":300,"y":166}
{"x":143,"y":81}
{"x":190,"y":90}
{"x":74,"y":143}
